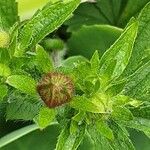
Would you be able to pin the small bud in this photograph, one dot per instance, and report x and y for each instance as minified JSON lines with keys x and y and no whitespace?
{"x":55,"y":89}
{"x":53,"y":44}
{"x":4,"y":39}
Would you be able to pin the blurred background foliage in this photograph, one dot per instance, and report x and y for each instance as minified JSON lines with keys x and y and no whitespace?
{"x":94,"y":26}
{"x":28,"y":7}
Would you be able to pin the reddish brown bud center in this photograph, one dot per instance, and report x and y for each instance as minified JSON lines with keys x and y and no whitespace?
{"x":55,"y":89}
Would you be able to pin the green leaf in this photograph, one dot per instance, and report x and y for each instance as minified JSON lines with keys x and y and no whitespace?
{"x":71,"y":62}
{"x":142,"y":111}
{"x":138,"y":86}
{"x":43,"y":60}
{"x":82,"y":70}
{"x":4,"y":56}
{"x":45,"y":22}
{"x":122,"y":100}
{"x":8,"y":14}
{"x":105,"y":77}
{"x":72,"y":67}
{"x":139,"y":124}
{"x":68,"y":141}
{"x":121,"y":114}
{"x":147,"y":134}
{"x":99,"y":141}
{"x":113,"y":12}
{"x":45,"y":117}
{"x":13,"y":33}
{"x":109,"y":10}
{"x":17,"y":134}
{"x":104,"y":129}
{"x":95,"y":61}
{"x":62,"y":139}
{"x":90,"y":38}
{"x":23,"y":83}
{"x":79,"y":137}
{"x":141,"y":47}
{"x":121,"y":139}
{"x":115,"y":88}
{"x":129,"y":10}
{"x":91,"y":85}
{"x":21,"y":109}
{"x":4,"y":70}
{"x":73,"y":127}
{"x":3,"y":91}
{"x":79,"y":72}
{"x":2,"y":114}
{"x":101,"y":12}
{"x":120,"y":52}
{"x":84,"y":104}
{"x":79,"y":116}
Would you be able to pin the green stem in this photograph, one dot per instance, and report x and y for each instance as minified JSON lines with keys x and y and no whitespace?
{"x":19,"y":133}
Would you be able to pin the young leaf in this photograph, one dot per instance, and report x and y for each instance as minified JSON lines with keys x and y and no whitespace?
{"x":23,"y":83}
{"x":95,"y":62}
{"x":122,"y":100}
{"x":122,"y":114}
{"x":73,"y":127}
{"x":79,"y":116}
{"x":8,"y":14}
{"x":105,"y":77}
{"x":43,"y":60}
{"x":68,"y":141}
{"x":45,"y":22}
{"x":45,"y":117}
{"x":104,"y":129}
{"x":120,"y":52}
{"x":4,"y":70}
{"x":84,"y":104}
{"x":116,"y":88}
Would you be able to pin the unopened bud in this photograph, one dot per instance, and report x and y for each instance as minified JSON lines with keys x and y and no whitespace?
{"x":55,"y":89}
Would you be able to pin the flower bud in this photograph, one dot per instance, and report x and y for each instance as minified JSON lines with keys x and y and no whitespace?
{"x":55,"y":89}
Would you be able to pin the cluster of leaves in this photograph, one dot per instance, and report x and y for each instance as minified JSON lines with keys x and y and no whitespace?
{"x":103,"y":20}
{"x":112,"y":91}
